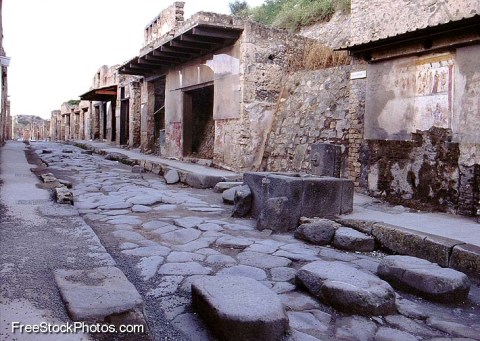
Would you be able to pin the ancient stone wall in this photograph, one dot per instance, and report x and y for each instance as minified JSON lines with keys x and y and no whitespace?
{"x":378,"y":19}
{"x":105,"y":76}
{"x":422,"y":173}
{"x":265,"y":58}
{"x":164,"y":23}
{"x":313,"y":108}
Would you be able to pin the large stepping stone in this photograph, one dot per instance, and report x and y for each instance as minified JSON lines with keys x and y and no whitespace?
{"x":347,"y":288}
{"x":320,"y":232}
{"x":351,"y":240}
{"x":239,"y":308}
{"x":95,"y":294}
{"x":425,"y":278}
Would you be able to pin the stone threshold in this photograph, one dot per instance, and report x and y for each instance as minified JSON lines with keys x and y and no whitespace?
{"x":446,"y":252}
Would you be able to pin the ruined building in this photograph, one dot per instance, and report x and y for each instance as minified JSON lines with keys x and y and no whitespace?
{"x":5,"y":120}
{"x":400,"y":119}
{"x":415,"y":92}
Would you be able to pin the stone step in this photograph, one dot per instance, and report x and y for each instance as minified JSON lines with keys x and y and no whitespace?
{"x":427,"y":279}
{"x":239,"y":308}
{"x":94,"y":295}
{"x":347,"y":288}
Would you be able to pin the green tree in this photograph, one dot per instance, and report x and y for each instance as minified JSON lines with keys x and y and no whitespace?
{"x":239,"y":8}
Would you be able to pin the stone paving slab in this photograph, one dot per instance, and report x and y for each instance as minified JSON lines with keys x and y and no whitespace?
{"x":95,"y":294}
{"x":239,"y":308}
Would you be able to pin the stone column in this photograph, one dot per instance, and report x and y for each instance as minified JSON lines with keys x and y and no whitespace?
{"x":147,"y":121}
{"x":135,"y":114}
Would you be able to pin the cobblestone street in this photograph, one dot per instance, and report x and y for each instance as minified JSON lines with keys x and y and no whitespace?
{"x":165,"y":236}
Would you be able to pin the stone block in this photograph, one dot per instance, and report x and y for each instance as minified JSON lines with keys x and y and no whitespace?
{"x":63,"y":195}
{"x":228,"y":196}
{"x":425,"y":278}
{"x":223,"y":186}
{"x":437,"y":249}
{"x":171,"y":176}
{"x":277,"y":215}
{"x":466,"y":258}
{"x":242,"y":202}
{"x":202,"y":181}
{"x":95,"y":294}
{"x":320,"y":232}
{"x":398,"y":239}
{"x":364,"y":226}
{"x":138,"y":169}
{"x":352,"y":240}
{"x":347,"y":288}
{"x":239,"y":308}
{"x":307,"y":196}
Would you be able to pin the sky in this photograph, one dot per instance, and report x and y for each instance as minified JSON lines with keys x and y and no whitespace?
{"x":56,"y":46}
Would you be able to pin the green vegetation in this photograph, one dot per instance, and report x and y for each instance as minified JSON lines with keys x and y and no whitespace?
{"x":290,"y":14}
{"x":74,"y":102}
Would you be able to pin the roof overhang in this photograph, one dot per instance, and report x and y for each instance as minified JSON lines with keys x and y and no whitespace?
{"x":104,"y":94}
{"x":196,"y":41}
{"x":465,"y":31}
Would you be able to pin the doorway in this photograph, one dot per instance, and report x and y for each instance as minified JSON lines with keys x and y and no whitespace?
{"x":124,"y":120}
{"x":113,"y":122}
{"x":198,"y":123}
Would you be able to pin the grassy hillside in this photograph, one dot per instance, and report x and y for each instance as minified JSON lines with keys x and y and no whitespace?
{"x":290,"y":14}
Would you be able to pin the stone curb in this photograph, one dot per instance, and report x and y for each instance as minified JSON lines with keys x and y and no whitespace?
{"x":445,"y":252}
{"x":195,"y":180}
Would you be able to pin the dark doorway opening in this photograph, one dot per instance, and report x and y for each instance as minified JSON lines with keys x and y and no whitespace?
{"x":96,"y":123}
{"x":104,"y":121}
{"x":113,"y":122}
{"x":198,"y":123}
{"x":124,"y":121}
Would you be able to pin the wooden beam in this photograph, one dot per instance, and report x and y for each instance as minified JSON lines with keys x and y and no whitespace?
{"x":175,"y":52}
{"x":201,"y":39}
{"x":214,"y":32}
{"x":174,"y":58}
{"x":106,"y":92}
{"x":160,"y":59}
{"x":191,"y":46}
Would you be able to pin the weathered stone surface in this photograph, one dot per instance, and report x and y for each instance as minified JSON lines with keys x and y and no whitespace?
{"x":298,"y":301}
{"x":181,"y":236}
{"x":223,"y":186}
{"x":210,"y":227}
{"x":48,"y":177}
{"x":141,"y":209}
{"x":389,"y":334}
{"x":365,"y":226}
{"x":351,"y":240}
{"x":63,"y":195}
{"x":425,"y":278}
{"x":228,"y":196}
{"x":197,"y":180}
{"x":414,"y":243}
{"x":276,"y":215}
{"x":411,"y":326}
{"x":320,"y":232}
{"x":453,"y":328}
{"x":283,"y":274}
{"x":355,"y":328}
{"x":188,"y":221}
{"x":181,"y":257}
{"x":410,"y":309}
{"x":223,"y":260}
{"x":242,"y":202}
{"x":233,"y":242}
{"x":184,"y":269}
{"x":94,"y":294}
{"x":307,"y":322}
{"x":244,"y":271}
{"x":306,"y":196}
{"x":347,"y":288}
{"x":238,"y":308}
{"x":65,"y":183}
{"x":466,"y":258}
{"x":261,"y":260}
{"x":171,"y":176}
{"x":138,"y":169}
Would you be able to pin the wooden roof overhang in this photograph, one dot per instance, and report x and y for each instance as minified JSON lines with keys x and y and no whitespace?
{"x":195,"y":42}
{"x":443,"y":36}
{"x":104,"y":94}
